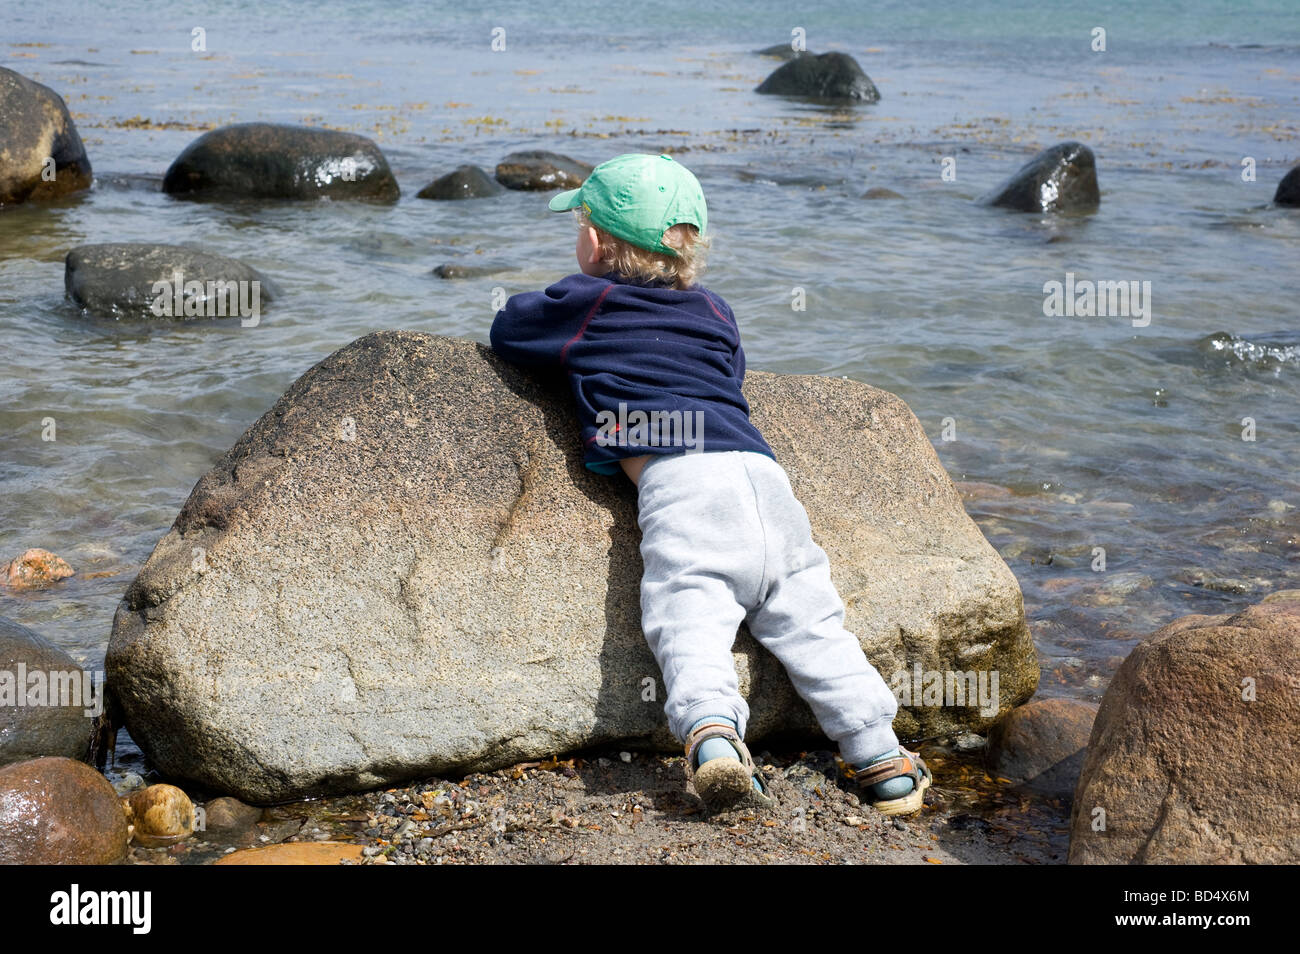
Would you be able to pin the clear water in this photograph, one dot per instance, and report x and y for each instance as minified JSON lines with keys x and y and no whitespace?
{"x":1071,"y":433}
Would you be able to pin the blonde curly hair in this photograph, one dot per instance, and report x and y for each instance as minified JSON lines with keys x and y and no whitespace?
{"x":680,"y":271}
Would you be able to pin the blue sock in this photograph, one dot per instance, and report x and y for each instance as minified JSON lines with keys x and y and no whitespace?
{"x":891,"y":788}
{"x":711,"y":749}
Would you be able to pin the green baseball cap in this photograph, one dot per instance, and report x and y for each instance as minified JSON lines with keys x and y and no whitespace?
{"x":638,"y":197}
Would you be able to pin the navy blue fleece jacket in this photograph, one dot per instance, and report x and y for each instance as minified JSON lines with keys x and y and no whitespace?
{"x":653,"y":370}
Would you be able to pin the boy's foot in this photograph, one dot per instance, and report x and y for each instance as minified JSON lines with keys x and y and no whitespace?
{"x":894,"y":782}
{"x":720,"y":767}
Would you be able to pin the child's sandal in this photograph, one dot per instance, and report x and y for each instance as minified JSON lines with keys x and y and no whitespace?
{"x":906,"y":764}
{"x":724,"y":783}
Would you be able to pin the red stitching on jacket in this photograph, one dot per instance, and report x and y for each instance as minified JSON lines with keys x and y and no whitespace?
{"x":709,"y":299}
{"x":564,"y":352}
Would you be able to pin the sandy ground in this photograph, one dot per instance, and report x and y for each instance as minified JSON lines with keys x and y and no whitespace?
{"x":635,"y":808}
{"x":608,"y":806}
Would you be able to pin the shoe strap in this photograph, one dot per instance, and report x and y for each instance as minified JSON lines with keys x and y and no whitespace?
{"x":895,"y":767}
{"x":716,"y":730}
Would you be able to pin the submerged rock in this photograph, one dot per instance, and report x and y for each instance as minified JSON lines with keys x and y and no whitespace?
{"x":56,"y":811}
{"x":270,"y":161}
{"x":137,"y":280}
{"x":1061,"y":178}
{"x":455,"y":270}
{"x":1040,"y":745}
{"x":41,"y":154}
{"x":160,"y":815}
{"x":1195,"y":753}
{"x":465,"y":182}
{"x":880,"y":193}
{"x":539,"y":170}
{"x":229,"y":814}
{"x":828,"y":76}
{"x":410,"y":572}
{"x":41,"y":674}
{"x":294,"y":853}
{"x":782,"y":51}
{"x":1288,"y":190}
{"x":34,"y":569}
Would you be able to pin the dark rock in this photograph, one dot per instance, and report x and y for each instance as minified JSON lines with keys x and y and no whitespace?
{"x":36,"y":127}
{"x":538,"y":170}
{"x":465,"y":182}
{"x":1061,"y":178}
{"x":30,"y":731}
{"x":1288,"y":190}
{"x":1195,"y":753}
{"x":826,"y":76}
{"x":488,"y":574}
{"x":269,"y":161}
{"x":1040,"y":745}
{"x":56,"y":811}
{"x":117,"y":280}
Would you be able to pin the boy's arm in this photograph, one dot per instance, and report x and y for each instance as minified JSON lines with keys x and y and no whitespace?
{"x":534,"y":329}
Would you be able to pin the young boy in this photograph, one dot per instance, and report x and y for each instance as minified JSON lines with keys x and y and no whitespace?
{"x":655,"y":365}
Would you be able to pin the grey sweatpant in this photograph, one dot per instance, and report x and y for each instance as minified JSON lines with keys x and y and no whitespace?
{"x":723,"y":540}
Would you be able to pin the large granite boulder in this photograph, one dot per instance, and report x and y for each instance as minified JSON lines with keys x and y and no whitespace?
{"x":403,"y":569}
{"x":826,"y":76}
{"x":47,"y":703}
{"x":1061,"y":178}
{"x":140,"y":280}
{"x":56,"y":811}
{"x":1195,"y":753}
{"x":37,"y":129}
{"x":272,"y":161}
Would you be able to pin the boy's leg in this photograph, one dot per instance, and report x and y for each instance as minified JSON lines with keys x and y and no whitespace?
{"x":801,"y":622}
{"x":701,"y":546}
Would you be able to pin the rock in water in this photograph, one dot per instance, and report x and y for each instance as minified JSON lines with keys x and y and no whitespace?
{"x":1040,"y":745}
{"x":1288,"y":190}
{"x":295,"y":853}
{"x":409,"y":572}
{"x":537,"y":170}
{"x":1195,"y":753}
{"x":828,"y":76}
{"x":43,"y":675}
{"x":161,"y":814}
{"x":127,"y":280}
{"x":1061,"y":178}
{"x":229,"y":814}
{"x":59,"y":812}
{"x":269,"y":161}
{"x":455,"y":270}
{"x":37,"y":129}
{"x":781,"y":51}
{"x":465,"y":182}
{"x":34,"y":569}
